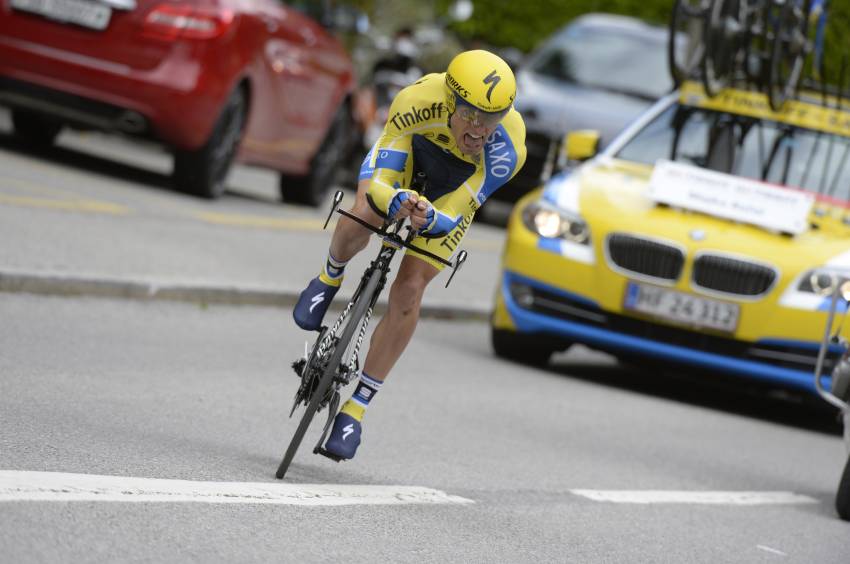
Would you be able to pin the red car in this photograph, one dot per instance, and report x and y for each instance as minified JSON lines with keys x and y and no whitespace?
{"x":210,"y":79}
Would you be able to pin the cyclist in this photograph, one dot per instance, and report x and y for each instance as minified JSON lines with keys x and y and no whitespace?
{"x":459,"y":128}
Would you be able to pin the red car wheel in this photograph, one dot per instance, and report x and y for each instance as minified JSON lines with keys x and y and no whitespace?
{"x":311,"y":189}
{"x":202,"y":172}
{"x":33,"y":129}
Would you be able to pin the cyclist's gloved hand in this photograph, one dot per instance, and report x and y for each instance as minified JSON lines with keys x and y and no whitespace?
{"x":430,"y":218}
{"x":422,"y":215}
{"x":430,"y":221}
{"x":398,"y":202}
{"x":437,"y":223}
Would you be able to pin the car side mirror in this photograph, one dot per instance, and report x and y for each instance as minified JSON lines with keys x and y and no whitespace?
{"x":581,"y":144}
{"x":577,"y":146}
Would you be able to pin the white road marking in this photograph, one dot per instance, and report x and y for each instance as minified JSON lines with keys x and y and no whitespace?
{"x":57,"y":486}
{"x":768,"y":549}
{"x":711,"y":498}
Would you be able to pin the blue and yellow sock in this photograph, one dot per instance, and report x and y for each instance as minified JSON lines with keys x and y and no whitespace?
{"x":363,"y":394}
{"x":333,"y":272}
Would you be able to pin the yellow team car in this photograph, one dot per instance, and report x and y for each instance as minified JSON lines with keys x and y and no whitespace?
{"x":708,"y":234}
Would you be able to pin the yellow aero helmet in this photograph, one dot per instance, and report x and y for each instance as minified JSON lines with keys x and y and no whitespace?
{"x":481,"y":79}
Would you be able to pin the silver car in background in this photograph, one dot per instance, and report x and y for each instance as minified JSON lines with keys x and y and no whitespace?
{"x":598,"y":72}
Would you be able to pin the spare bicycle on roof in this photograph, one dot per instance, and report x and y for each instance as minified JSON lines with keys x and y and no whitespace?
{"x":752,"y":44}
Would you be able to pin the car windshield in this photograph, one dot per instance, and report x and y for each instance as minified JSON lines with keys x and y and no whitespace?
{"x":608,"y":58}
{"x":751,"y":147}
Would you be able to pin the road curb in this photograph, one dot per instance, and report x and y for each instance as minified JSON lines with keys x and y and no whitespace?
{"x":204,"y":294}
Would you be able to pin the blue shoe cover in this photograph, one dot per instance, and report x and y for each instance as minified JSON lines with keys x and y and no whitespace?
{"x":312,"y":304}
{"x":345,"y":436}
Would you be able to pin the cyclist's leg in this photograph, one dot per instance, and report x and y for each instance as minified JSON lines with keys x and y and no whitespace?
{"x":348,"y":239}
{"x":399,"y":322}
{"x":388,"y":342}
{"x":393,"y":333}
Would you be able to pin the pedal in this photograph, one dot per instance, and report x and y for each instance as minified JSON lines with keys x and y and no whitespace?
{"x":298,"y":366}
{"x":332,"y":456}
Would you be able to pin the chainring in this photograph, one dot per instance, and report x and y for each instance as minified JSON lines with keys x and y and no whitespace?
{"x":311,"y":370}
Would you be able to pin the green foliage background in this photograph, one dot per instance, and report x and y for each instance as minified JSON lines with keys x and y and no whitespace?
{"x":524,"y":24}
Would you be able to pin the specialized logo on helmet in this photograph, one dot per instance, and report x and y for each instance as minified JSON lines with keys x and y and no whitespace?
{"x":456,"y":86}
{"x":494,"y":78}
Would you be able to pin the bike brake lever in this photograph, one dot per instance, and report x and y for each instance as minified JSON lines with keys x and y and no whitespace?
{"x":337,"y":199}
{"x":461,"y":258}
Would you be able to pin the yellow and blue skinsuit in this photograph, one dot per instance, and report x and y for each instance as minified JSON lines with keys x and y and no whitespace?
{"x":417,"y":138}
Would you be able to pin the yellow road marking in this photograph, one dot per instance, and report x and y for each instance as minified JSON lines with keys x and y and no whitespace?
{"x":258,"y":222}
{"x":92,"y":206}
{"x":262,"y":222}
{"x":33,"y":187}
{"x":55,"y":198}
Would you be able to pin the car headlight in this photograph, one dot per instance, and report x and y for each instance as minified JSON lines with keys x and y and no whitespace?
{"x":823,"y":282}
{"x":548,"y":221}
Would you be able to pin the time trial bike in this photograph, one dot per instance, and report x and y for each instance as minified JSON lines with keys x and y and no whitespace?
{"x":333,"y":362}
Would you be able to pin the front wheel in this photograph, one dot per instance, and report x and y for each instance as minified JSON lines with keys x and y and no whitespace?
{"x":842,"y":498}
{"x":790,"y":45}
{"x":354,"y":320}
{"x":202,"y":171}
{"x":685,"y":45}
{"x":723,"y":35}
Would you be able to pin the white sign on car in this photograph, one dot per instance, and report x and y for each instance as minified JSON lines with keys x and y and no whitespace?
{"x":730,"y":197}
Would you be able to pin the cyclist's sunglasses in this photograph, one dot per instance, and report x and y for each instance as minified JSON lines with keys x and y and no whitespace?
{"x":476,"y":117}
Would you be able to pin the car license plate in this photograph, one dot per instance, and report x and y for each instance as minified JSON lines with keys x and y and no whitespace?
{"x":88,"y":14}
{"x":682,"y":307}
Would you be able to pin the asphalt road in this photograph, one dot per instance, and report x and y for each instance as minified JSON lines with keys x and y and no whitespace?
{"x":182,"y":392}
{"x":119,"y":417}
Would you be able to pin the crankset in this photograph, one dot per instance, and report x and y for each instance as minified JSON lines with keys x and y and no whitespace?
{"x":310,"y":368}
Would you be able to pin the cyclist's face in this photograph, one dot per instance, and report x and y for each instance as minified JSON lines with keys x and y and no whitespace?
{"x":470,"y":131}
